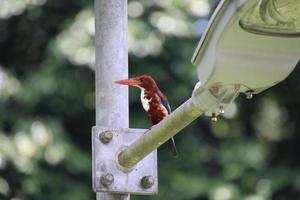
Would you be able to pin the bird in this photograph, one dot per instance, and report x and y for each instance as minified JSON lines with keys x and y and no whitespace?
{"x":154,"y":102}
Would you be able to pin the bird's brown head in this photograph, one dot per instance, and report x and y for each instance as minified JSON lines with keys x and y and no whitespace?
{"x":144,"y":81}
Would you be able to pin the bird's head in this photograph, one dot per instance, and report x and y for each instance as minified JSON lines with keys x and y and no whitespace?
{"x":144,"y":81}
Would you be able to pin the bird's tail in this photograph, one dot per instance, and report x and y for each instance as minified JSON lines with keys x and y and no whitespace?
{"x":173,"y":147}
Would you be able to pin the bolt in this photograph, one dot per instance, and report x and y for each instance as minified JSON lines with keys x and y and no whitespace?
{"x":214,"y":117}
{"x":147,"y":182}
{"x":105,"y":137}
{"x":214,"y":90}
{"x":249,"y":94}
{"x":107,"y":179}
{"x":222,"y":111}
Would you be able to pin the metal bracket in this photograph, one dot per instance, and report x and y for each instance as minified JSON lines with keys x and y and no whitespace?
{"x":108,"y":175}
{"x":214,"y":100}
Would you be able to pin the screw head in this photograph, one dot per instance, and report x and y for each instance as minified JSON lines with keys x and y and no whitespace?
{"x":147,"y":182}
{"x":214,"y":90}
{"x":214,"y":117}
{"x":249,"y":94}
{"x":105,"y":137}
{"x":107,"y":179}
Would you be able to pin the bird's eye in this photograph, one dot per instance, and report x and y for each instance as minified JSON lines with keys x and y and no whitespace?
{"x":142,"y":80}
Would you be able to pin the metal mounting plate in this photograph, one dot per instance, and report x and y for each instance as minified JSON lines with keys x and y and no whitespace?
{"x":105,"y":161}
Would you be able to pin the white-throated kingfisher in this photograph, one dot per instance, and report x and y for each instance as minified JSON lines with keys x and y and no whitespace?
{"x":154,"y":102}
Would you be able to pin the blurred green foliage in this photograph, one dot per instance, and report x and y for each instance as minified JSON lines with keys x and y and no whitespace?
{"x":47,"y":107}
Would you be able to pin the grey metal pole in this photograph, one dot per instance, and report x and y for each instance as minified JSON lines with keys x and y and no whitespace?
{"x":111,"y":65}
{"x":160,"y":133}
{"x":105,"y":196}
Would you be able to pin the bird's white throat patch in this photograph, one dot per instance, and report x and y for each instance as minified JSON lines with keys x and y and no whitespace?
{"x":145,"y":101}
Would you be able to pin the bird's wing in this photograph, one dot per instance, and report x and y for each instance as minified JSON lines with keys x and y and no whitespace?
{"x":164,"y":101}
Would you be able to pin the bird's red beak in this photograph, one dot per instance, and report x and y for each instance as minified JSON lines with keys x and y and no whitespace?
{"x":129,"y":82}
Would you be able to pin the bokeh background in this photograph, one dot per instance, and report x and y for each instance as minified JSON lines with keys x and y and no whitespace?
{"x":47,"y":107}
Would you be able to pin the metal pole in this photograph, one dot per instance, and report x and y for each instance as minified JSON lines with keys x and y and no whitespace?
{"x":106,"y":196}
{"x":160,"y":133}
{"x":111,"y":65}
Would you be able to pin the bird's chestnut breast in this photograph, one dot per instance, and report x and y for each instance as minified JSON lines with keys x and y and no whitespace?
{"x":156,"y":111}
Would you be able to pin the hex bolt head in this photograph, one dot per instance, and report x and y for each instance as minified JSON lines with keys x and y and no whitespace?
{"x":249,"y":94}
{"x":214,"y":90}
{"x":107,"y":179}
{"x":147,"y":182}
{"x":105,"y":137}
{"x":214,"y":117}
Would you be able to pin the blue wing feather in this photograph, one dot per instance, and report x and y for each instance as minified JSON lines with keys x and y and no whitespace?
{"x":164,"y":102}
